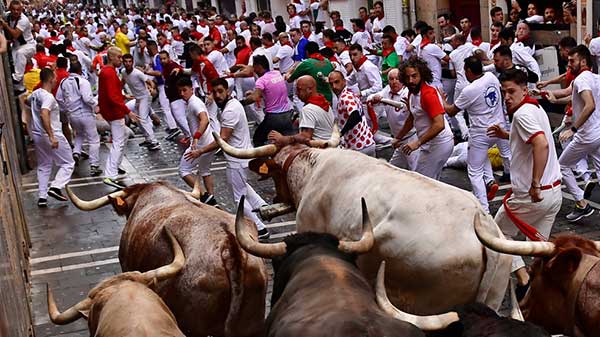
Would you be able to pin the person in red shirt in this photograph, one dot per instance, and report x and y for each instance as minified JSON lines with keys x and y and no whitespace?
{"x":203,"y":67}
{"x":215,"y":33}
{"x":43,"y":60}
{"x":242,"y":52}
{"x":111,"y":103}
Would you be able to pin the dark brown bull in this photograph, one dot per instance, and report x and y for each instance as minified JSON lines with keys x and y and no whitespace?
{"x":317,"y":287}
{"x":221,"y":291}
{"x":124,"y":306}
{"x":564,"y":296}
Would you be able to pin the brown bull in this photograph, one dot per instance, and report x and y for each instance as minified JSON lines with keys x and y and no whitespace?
{"x":221,"y":291}
{"x":564,"y":296}
{"x":124,"y":306}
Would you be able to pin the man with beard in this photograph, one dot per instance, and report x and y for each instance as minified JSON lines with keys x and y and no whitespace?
{"x":234,"y":131}
{"x":426,"y":114}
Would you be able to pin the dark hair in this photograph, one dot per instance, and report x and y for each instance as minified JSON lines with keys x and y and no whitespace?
{"x":408,"y":32}
{"x":583,"y":52}
{"x":311,"y":48}
{"x":390,"y":38}
{"x":359,"y":23}
{"x":40,"y":48}
{"x":75,"y":67}
{"x":152,"y":43}
{"x":356,"y":46}
{"x":46,"y":75}
{"x":495,"y":10}
{"x":567,"y":42}
{"x":514,"y":75}
{"x":268,"y":36}
{"x":164,"y":52}
{"x":475,"y":32}
{"x":507,"y":34}
{"x":426,"y":30}
{"x":498,"y":25}
{"x":194,"y":48}
{"x":219,"y":82}
{"x":328,"y":33}
{"x":389,"y":30}
{"x":62,"y":62}
{"x":128,"y":56}
{"x":255,"y":41}
{"x":503,"y":51}
{"x":420,"y":65}
{"x":420,"y":25}
{"x":262,"y":61}
{"x":380,"y":3}
{"x":184,"y":81}
{"x":305,"y":22}
{"x":327,"y":52}
{"x":473,"y":63}
{"x":445,"y":16}
{"x":209,"y":39}
{"x":240,"y":37}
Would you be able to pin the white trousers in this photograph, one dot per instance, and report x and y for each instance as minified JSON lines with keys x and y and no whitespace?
{"x":540,"y":215}
{"x":178,"y":111}
{"x":478,"y":161}
{"x":118,"y":131}
{"x":144,"y":110}
{"x":432,"y":158}
{"x":237,"y":178}
{"x":85,"y":131}
{"x":47,"y":157}
{"x":202,"y":163}
{"x":166,"y":107}
{"x":403,"y":161}
{"x":582,"y":165}
{"x":573,"y":153}
{"x":20,"y":56}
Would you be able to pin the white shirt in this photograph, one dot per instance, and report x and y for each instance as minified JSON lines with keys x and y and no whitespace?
{"x":396,"y":117}
{"x":230,"y":56}
{"x":136,"y":81}
{"x":595,"y":49}
{"x":74,"y":95}
{"x":218,"y":60}
{"x":423,"y":118}
{"x":482,"y":100}
{"x":273,"y":51}
{"x":24,"y":25}
{"x":522,"y":57}
{"x":400,"y":46}
{"x":433,"y":55}
{"x":285,"y":55}
{"x":295,"y":22}
{"x":530,"y":120}
{"x":320,"y":121}
{"x":194,"y":107}
{"x":261,"y":51}
{"x":379,"y":24}
{"x":362,"y":38}
{"x":42,"y":99}
{"x":586,"y":81}
{"x":233,"y":116}
{"x":368,"y":79}
{"x":457,"y":62}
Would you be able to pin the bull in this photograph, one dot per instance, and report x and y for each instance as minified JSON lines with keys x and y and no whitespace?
{"x":124,"y":305}
{"x":317,"y":288}
{"x":422,"y":227}
{"x":221,"y":290}
{"x":564,"y":295}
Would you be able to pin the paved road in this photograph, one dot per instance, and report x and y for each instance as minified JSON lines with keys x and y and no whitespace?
{"x":73,"y":250}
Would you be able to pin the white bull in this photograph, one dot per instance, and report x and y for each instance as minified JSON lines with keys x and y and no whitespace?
{"x":423,"y":228}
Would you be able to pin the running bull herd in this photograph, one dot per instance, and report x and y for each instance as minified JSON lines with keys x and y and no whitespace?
{"x":398,"y":267}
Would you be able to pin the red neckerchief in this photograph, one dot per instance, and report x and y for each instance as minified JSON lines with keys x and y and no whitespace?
{"x":297,"y":2}
{"x":424,"y":42}
{"x":293,"y":15}
{"x":333,"y":59}
{"x":307,"y":34}
{"x":360,"y":62}
{"x":581,"y":71}
{"x":524,"y":38}
{"x":381,"y":17}
{"x":202,"y":24}
{"x":177,"y":37}
{"x":82,"y":34}
{"x":329,"y":44}
{"x":466,"y":34}
{"x":569,"y":77}
{"x":287,"y":44}
{"x":360,"y":30}
{"x":476,"y":42}
{"x":316,"y":56}
{"x":494,"y":42}
{"x":527,"y":100}
{"x":319,"y":100}
{"x":387,"y":52}
{"x":70,"y":48}
{"x":339,"y":28}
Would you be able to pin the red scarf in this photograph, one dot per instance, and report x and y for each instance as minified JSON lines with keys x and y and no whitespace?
{"x":494,"y":42}
{"x":202,"y":24}
{"x":329,"y":44}
{"x":70,"y":48}
{"x":387,"y":52}
{"x":373,"y":116}
{"x":360,"y":62}
{"x":527,"y":100}
{"x":306,"y":34}
{"x":287,"y":44}
{"x":380,"y":17}
{"x":319,"y":100}
{"x":524,"y":38}
{"x":177,"y":37}
{"x":293,"y":15}
{"x":478,"y":41}
{"x":316,"y":56}
{"x":466,"y":34}
{"x":580,"y":71}
{"x":424,"y":42}
{"x":339,"y":28}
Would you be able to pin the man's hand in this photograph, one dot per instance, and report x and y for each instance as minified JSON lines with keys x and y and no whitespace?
{"x":396,"y":143}
{"x":192,"y":155}
{"x":277,"y":138}
{"x":134,"y":117}
{"x":410,"y":147}
{"x":175,"y":71}
{"x":497,"y":131}
{"x":535,"y":194}
{"x":549,"y":96}
{"x":54,"y":142}
{"x":541,"y":84}
{"x":566,"y":135}
{"x":376,"y":99}
{"x":97,"y":109}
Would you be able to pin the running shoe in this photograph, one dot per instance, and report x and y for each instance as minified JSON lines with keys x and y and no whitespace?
{"x":579,"y":213}
{"x":492,"y":189}
{"x":114,"y":183}
{"x":264,"y":234}
{"x":56,"y":194}
{"x":42,"y":203}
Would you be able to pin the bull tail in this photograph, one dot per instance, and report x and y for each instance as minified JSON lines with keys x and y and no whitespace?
{"x":233,"y":261}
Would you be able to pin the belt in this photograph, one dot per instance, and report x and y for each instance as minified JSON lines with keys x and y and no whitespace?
{"x":547,"y":187}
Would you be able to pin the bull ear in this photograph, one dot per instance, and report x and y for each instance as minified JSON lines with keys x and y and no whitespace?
{"x":265,"y":167}
{"x":565,"y":263}
{"x":119,"y":204}
{"x":85,"y":313}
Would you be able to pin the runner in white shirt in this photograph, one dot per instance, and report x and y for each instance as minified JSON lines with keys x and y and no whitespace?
{"x":229,"y":50}
{"x":360,"y":36}
{"x":462,"y":50}
{"x":215,"y":57}
{"x":584,"y":130}
{"x":378,"y":22}
{"x":284,"y":58}
{"x":51,"y":146}
{"x":481,"y":98}
{"x":433,"y":55}
{"x":594,"y":46}
{"x":295,"y":19}
{"x":396,"y":117}
{"x":18,"y":29}
{"x":342,"y":53}
{"x":535,"y":172}
{"x":426,"y":115}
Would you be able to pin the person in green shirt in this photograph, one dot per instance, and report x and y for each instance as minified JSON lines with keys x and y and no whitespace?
{"x":317,"y":67}
{"x":390,"y":58}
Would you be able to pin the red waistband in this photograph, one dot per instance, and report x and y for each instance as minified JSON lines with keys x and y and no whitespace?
{"x":554,"y":184}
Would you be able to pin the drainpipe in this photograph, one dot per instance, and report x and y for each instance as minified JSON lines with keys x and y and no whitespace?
{"x":413,"y":13}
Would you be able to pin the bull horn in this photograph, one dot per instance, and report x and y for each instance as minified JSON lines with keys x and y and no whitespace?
{"x":597,"y":243}
{"x":515,"y":311}
{"x":426,"y":323}
{"x":171,"y":269}
{"x":261,"y":151}
{"x":367,"y":240}
{"x":70,"y":315}
{"x":332,"y":142}
{"x":92,"y":204}
{"x":249,"y":243}
{"x":501,"y":245}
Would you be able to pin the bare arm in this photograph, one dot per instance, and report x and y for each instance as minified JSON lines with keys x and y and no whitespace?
{"x":202,"y":126}
{"x":587,"y":110}
{"x":540,"y":158}
{"x":45,"y":115}
{"x":3,"y":44}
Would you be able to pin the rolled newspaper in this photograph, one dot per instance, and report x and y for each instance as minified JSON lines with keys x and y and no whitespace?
{"x":393,"y":103}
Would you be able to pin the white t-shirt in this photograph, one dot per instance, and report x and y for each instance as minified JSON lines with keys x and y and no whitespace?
{"x":395,"y":116}
{"x":528,"y":121}
{"x":233,"y":116}
{"x":321,"y":121}
{"x":273,"y":51}
{"x":423,"y":115}
{"x":194,"y":107}
{"x":400,"y":46}
{"x":136,"y":81}
{"x":24,"y":25}
{"x":285,"y":55}
{"x":42,"y":99}
{"x":261,"y":51}
{"x":457,"y":62}
{"x":433,"y":55}
{"x":595,"y":50}
{"x":590,"y":130}
{"x":218,"y":60}
{"x":362,"y":38}
{"x":483,"y":102}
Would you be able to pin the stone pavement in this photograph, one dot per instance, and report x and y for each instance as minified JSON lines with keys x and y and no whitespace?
{"x":74,"y":250}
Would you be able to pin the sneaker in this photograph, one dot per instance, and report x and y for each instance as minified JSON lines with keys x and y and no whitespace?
{"x":589,"y":188}
{"x":95,"y":171}
{"x":120,"y":171}
{"x":264,"y":234}
{"x":114,"y":183}
{"x":76,"y":158}
{"x":492,"y":189}
{"x":505,"y":178}
{"x":42,"y":203}
{"x":154,"y":146}
{"x":521,"y":290}
{"x":145,"y":143}
{"x":184,"y":141}
{"x":56,"y":194}
{"x":172,"y":134}
{"x":579,"y":213}
{"x":208,"y":199}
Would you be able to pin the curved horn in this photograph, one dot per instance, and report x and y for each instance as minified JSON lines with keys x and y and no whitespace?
{"x":501,"y":245}
{"x":515,"y":311}
{"x":367,"y":240}
{"x":92,"y":204}
{"x":249,"y":243}
{"x":597,"y":243}
{"x":171,"y":269}
{"x":70,"y":315}
{"x":261,"y":151}
{"x":333,"y":141}
{"x":426,"y":323}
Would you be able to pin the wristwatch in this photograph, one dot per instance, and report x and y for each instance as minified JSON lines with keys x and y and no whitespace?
{"x":574,"y":129}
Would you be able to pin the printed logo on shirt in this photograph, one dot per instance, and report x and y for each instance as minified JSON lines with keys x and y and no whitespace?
{"x":491,"y":96}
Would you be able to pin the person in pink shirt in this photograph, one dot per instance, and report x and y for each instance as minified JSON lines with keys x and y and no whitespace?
{"x":272,"y":89}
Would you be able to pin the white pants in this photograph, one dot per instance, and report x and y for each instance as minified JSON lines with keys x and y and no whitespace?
{"x":144,"y":110}
{"x":118,"y":131}
{"x":369,"y":150}
{"x":478,"y":161}
{"x":582,"y":165}
{"x":403,"y":161}
{"x":237,"y":178}
{"x":20,"y":56}
{"x":85,"y":130}
{"x":573,"y":153}
{"x":539,"y":215}
{"x":47,"y":157}
{"x":202,"y":163}
{"x":178,"y":111}
{"x":432,"y":158}
{"x":166,"y":107}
